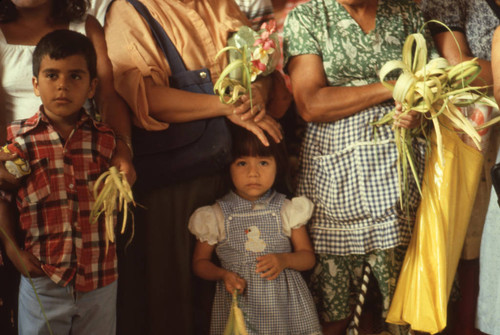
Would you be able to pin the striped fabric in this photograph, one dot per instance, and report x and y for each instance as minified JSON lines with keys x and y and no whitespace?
{"x":55,"y":200}
{"x":257,"y":11}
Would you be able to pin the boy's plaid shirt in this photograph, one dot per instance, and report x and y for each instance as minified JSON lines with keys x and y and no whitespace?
{"x":55,"y":200}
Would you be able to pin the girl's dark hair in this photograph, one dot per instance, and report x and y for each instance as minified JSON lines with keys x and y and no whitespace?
{"x":63,"y":43}
{"x":62,"y":10}
{"x":246,"y":143}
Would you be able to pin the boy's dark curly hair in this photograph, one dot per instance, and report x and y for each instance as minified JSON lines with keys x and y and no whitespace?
{"x":62,"y":10}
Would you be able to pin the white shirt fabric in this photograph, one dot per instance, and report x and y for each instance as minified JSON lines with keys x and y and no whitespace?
{"x":98,"y":9}
{"x":17,"y":97}
{"x":207,"y":223}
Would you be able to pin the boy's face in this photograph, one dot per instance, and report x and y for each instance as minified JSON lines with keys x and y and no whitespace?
{"x":64,"y":85}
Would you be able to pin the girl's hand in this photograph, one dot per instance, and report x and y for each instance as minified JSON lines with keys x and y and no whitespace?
{"x":412,"y":119}
{"x":233,"y":282}
{"x":271,"y":265}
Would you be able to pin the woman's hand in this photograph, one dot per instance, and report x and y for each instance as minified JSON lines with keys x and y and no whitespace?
{"x":270,"y":266}
{"x":242,"y":108}
{"x":267,"y":124}
{"x":233,"y":282}
{"x":122,"y":160}
{"x":260,"y":96}
{"x":412,"y":119}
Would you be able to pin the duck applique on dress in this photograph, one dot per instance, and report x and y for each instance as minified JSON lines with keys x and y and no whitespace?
{"x":254,"y":242}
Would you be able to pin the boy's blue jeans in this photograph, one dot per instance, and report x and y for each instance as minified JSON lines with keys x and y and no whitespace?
{"x":68,"y":311}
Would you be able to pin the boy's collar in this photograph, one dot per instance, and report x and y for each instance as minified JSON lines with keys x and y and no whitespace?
{"x":40,"y":116}
{"x":84,"y":116}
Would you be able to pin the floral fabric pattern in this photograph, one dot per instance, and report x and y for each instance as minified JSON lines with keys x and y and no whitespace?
{"x":474,"y":18}
{"x":350,"y":56}
{"x":334,"y":277}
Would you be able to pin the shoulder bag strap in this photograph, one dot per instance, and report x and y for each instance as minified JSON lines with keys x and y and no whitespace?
{"x":166,"y":45}
{"x":494,"y":7}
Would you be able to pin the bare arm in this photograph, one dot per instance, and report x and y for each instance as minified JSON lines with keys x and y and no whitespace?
{"x":301,"y":259}
{"x":318,"y":102}
{"x":113,"y":108}
{"x":495,"y":64}
{"x":173,"y":106}
{"x":281,"y":97}
{"x":204,"y":268}
{"x":448,"y":48}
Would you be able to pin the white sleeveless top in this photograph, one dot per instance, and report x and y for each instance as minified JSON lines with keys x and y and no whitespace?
{"x":17,"y":99}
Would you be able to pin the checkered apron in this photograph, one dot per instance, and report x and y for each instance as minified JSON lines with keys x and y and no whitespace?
{"x":280,"y":306}
{"x":350,"y":173}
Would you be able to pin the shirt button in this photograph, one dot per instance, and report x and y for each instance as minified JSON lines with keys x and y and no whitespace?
{"x":71,"y":186}
{"x":203,"y":75}
{"x":230,"y":218}
{"x":273,"y":214}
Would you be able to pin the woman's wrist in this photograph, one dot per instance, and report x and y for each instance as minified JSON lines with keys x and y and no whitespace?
{"x":127,"y":141}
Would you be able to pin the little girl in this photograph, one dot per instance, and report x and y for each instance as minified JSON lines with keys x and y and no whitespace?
{"x":251,"y":229}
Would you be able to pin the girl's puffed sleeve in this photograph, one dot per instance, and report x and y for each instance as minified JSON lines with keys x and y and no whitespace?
{"x":295,"y":213}
{"x":207,"y":224}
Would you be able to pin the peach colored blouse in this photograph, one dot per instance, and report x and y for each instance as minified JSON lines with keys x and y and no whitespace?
{"x":198,"y":29}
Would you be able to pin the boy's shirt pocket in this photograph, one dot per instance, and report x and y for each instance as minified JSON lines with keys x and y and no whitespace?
{"x":37,"y":188}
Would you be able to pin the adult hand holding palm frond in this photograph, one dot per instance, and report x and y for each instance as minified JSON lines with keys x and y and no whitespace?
{"x":436,"y":90}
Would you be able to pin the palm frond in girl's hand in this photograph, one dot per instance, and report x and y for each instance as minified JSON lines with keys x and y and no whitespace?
{"x":236,"y":321}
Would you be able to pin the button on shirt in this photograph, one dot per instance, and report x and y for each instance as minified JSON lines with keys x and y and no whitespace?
{"x":55,"y":200}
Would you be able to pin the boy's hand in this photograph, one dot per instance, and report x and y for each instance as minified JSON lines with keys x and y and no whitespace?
{"x":8,"y":181}
{"x":271,"y":265}
{"x":30,"y":262}
{"x":234,"y":282}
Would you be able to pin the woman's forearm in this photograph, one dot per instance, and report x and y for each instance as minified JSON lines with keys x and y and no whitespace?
{"x":173,"y":105}
{"x":330,"y":104}
{"x":318,"y":102}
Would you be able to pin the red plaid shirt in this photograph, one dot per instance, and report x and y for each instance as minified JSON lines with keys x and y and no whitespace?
{"x":55,"y":200}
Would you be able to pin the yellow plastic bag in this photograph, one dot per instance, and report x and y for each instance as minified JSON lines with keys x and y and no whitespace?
{"x":429,"y":267}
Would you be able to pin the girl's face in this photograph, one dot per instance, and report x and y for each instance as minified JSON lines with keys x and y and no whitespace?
{"x":252,"y":176}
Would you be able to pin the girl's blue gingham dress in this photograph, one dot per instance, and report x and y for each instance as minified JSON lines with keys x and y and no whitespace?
{"x":350,"y":173}
{"x":280,"y":306}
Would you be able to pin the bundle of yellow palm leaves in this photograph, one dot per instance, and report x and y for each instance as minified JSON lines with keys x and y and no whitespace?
{"x":115,"y":193}
{"x":435,"y":89}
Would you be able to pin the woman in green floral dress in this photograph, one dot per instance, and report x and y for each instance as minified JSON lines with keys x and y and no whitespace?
{"x":334,"y":50}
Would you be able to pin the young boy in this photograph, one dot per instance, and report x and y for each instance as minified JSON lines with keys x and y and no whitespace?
{"x":67,"y":150}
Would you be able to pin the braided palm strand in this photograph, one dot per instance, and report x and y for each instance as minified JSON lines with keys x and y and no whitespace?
{"x":365,"y":279}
